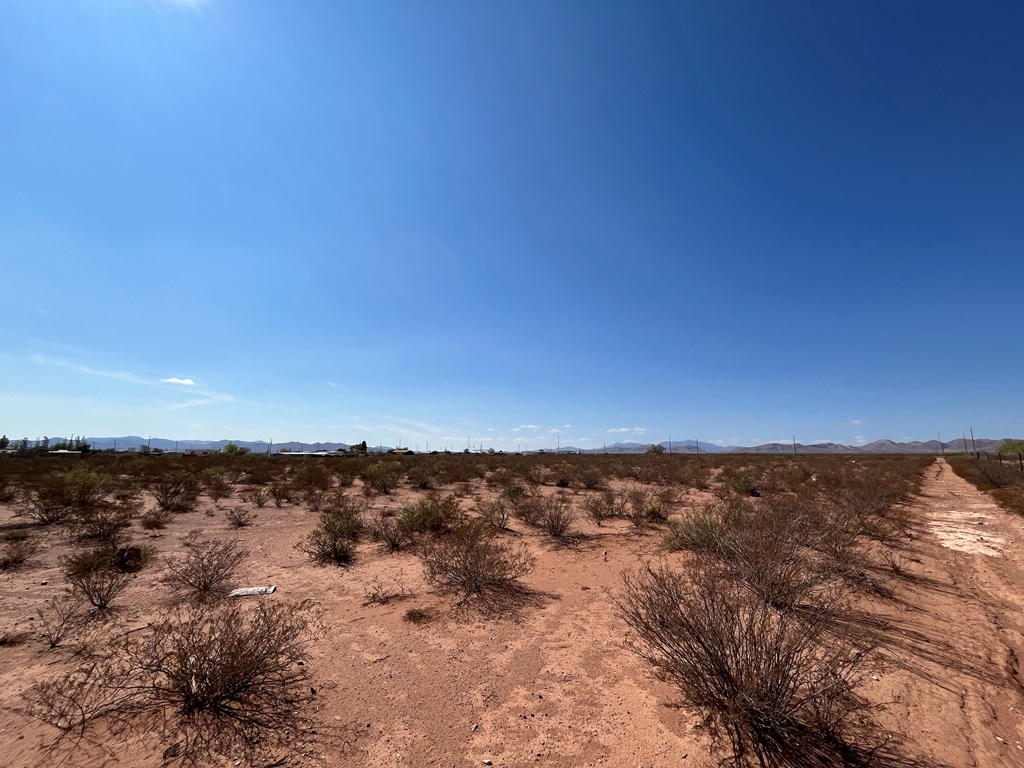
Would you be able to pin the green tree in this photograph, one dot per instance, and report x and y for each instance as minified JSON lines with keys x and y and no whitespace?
{"x":655,"y":448}
{"x":1012,"y":448}
{"x":4,"y":442}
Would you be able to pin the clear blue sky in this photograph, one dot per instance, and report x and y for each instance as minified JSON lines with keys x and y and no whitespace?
{"x":519,"y":221}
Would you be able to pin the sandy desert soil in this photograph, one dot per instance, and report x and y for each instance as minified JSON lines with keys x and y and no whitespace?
{"x":552,"y":684}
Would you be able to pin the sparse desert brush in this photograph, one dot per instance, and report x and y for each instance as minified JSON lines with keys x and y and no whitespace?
{"x":103,"y":523}
{"x":471,"y":564}
{"x":776,"y":685}
{"x":281,"y":492}
{"x":257,"y":495}
{"x":433,"y":514}
{"x":311,"y":476}
{"x":155,"y":519}
{"x":417,"y":615}
{"x":556,"y":518}
{"x":603,"y":506}
{"x":215,"y":684}
{"x":60,"y":615}
{"x":333,"y":541}
{"x":768,"y":547}
{"x":378,"y":592}
{"x":48,"y":499}
{"x":382,"y":476}
{"x":176,"y":491}
{"x":497,"y":513}
{"x":644,"y":508}
{"x":215,"y":483}
{"x":8,"y":490}
{"x":423,"y":476}
{"x":239,"y":517}
{"x":206,"y":573}
{"x":93,"y":574}
{"x":16,"y":547}
{"x":393,"y":534}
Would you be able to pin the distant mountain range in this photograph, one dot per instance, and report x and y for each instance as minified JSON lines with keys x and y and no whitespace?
{"x":135,"y":443}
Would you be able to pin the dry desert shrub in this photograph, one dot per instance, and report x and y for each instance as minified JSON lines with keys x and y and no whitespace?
{"x":470,"y":563}
{"x":18,"y":547}
{"x":776,"y":685}
{"x":257,"y":495}
{"x":59,"y":616}
{"x":155,"y":519}
{"x":207,"y":571}
{"x":496,"y":513}
{"x":434,"y":514}
{"x":417,"y":615}
{"x":333,"y":540}
{"x":47,"y":500}
{"x":382,"y":476}
{"x":239,"y":517}
{"x":103,"y":523}
{"x":556,"y":518}
{"x":604,"y":506}
{"x":768,"y":546}
{"x":219,"y":684}
{"x":176,"y":491}
{"x":93,"y":574}
{"x":216,"y":484}
{"x":393,"y":534}
{"x":282,"y":493}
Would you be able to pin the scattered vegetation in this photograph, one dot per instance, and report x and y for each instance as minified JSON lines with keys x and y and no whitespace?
{"x":333,"y":540}
{"x":18,"y":546}
{"x":471,"y":564}
{"x":222,"y":683}
{"x":206,"y":572}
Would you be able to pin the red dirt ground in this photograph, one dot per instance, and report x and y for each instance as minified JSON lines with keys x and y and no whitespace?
{"x":553,"y":685}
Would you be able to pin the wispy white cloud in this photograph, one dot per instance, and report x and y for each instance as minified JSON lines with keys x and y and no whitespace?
{"x":527,"y":426}
{"x":856,"y":422}
{"x":176,"y":380}
{"x":629,"y":430}
{"x":332,"y":384}
{"x":58,"y":363}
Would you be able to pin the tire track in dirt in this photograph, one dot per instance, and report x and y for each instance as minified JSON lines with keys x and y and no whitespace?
{"x":971,"y":592}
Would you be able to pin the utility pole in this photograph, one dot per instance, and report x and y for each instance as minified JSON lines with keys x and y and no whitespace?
{"x":794,"y":445}
{"x":670,"y":445}
{"x":974,"y":448}
{"x":270,"y":446}
{"x":697,"y":444}
{"x":942,"y":448}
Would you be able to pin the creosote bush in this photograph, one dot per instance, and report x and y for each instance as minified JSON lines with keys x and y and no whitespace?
{"x":155,"y":519}
{"x":470,"y":563}
{"x":206,"y":572}
{"x":776,"y":685}
{"x":222,"y":683}
{"x":257,"y":495}
{"x":93,"y":574}
{"x":333,"y":541}
{"x":393,"y":534}
{"x":382,"y":476}
{"x":17,"y":547}
{"x":433,"y":514}
{"x":239,"y":517}
{"x":176,"y":491}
